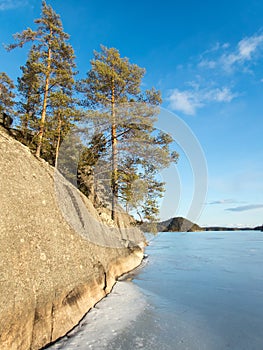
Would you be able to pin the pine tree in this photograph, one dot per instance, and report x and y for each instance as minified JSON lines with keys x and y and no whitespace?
{"x":55,"y":61}
{"x":7,"y":95}
{"x":110,"y":81}
{"x":64,"y":111}
{"x":126,"y":116}
{"x":29,"y":105}
{"x":89,"y":157}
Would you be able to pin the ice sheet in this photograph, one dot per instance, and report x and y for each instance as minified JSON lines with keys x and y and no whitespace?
{"x":106,"y":320}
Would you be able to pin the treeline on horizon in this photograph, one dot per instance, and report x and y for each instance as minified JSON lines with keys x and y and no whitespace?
{"x":115,"y":144}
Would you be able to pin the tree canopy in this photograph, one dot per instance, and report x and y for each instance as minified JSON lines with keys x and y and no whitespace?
{"x":7,"y":94}
{"x":122,"y":152}
{"x":125,"y":115}
{"x":48,"y":76}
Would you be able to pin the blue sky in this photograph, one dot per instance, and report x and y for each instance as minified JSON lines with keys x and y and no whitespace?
{"x":206,"y":57}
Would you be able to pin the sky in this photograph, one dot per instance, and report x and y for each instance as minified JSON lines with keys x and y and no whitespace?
{"x":206,"y":58}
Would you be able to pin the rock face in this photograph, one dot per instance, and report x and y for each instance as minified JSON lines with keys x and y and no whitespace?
{"x":58,"y":258}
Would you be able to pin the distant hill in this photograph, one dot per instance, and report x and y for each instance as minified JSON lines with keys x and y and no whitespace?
{"x":219,"y":228}
{"x":180,"y":224}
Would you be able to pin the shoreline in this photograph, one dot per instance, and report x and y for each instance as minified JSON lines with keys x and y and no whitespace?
{"x":107,"y":317}
{"x":130,"y":275}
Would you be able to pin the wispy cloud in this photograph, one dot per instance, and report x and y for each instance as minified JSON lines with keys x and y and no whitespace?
{"x":205,"y":60}
{"x":206,"y":63}
{"x":12,"y":4}
{"x":230,"y":58}
{"x":216,"y":72}
{"x":246,"y":207}
{"x":188,"y":101}
{"x":223,"y":201}
{"x":217,"y":47}
{"x":184,"y":101}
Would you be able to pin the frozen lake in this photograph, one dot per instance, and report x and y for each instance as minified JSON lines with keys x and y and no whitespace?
{"x":197,"y":291}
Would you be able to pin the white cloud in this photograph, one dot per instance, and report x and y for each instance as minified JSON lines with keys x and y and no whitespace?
{"x":218,"y":59}
{"x":216,"y":47}
{"x":12,"y":4}
{"x":225,"y":46}
{"x":223,"y":201}
{"x":245,"y":51}
{"x":246,"y":207}
{"x":184,"y":101}
{"x":220,"y":95}
{"x":211,"y":64}
{"x":188,"y":101}
{"x":249,"y":46}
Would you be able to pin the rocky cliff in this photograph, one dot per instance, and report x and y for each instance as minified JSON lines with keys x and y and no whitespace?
{"x":58,"y":257}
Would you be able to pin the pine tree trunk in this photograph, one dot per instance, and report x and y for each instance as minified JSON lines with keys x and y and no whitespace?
{"x":139,"y":214}
{"x":44,"y":108}
{"x":58,"y":139}
{"x":24,"y":128}
{"x":114,"y":181}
